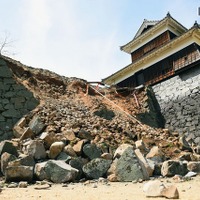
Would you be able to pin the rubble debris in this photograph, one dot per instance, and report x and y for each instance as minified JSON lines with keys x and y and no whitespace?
{"x":70,"y":136}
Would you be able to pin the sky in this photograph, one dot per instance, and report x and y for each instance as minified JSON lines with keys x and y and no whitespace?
{"x":82,"y":38}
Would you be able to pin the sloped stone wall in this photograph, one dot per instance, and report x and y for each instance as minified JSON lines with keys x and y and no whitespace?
{"x":15,"y":101}
{"x":179,"y":100}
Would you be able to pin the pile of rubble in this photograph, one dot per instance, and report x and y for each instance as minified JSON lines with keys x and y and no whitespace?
{"x":74,"y":135}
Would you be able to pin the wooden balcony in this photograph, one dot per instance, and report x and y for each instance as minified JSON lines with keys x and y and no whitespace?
{"x":186,"y":60}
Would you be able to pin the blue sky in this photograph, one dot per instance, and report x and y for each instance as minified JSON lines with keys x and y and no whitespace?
{"x":81,"y":38}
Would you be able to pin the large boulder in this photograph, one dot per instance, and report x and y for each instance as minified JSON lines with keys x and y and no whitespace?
{"x":78,"y":163}
{"x":96,"y":168}
{"x":25,"y":160}
{"x":126,"y":166}
{"x":36,"y":125}
{"x":158,"y":189}
{"x":173,"y":167}
{"x":92,"y":151}
{"x":20,"y":169}
{"x":35,"y":148}
{"x":19,"y":173}
{"x":56,"y":171}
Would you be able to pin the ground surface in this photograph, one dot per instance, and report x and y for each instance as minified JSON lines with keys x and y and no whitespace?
{"x":188,"y":190}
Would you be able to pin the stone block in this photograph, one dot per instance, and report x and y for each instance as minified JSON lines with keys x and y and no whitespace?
{"x":56,"y":171}
{"x":19,"y":173}
{"x":7,"y":146}
{"x":172,"y":167}
{"x":96,"y":168}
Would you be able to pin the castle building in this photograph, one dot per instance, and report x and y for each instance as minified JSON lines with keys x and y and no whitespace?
{"x":159,"y":50}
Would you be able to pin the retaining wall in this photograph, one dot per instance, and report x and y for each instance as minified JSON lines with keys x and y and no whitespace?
{"x":179,"y":101}
{"x":15,"y":101}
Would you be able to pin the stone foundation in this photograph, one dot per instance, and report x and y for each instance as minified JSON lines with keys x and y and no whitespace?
{"x":179,"y":100}
{"x":15,"y":101}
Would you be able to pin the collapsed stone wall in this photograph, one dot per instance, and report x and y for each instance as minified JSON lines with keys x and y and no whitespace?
{"x":151,"y":114}
{"x":15,"y":101}
{"x":179,"y":101}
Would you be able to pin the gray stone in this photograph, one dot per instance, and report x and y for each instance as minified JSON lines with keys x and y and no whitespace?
{"x":83,"y":134}
{"x":25,"y":160}
{"x":36,"y":125}
{"x":56,"y":171}
{"x":5,"y":71}
{"x":7,"y":146}
{"x":172,"y":167}
{"x":126,"y":167}
{"x":63,"y":156}
{"x":157,"y":169}
{"x":78,"y":163}
{"x":96,"y":168}
{"x":35,"y":148}
{"x":120,"y":150}
{"x":11,"y":113}
{"x":40,"y":172}
{"x":19,"y":173}
{"x":92,"y":151}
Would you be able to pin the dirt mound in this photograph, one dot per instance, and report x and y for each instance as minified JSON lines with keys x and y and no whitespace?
{"x":69,"y":104}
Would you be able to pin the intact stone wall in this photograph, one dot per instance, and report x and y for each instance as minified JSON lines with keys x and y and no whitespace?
{"x":15,"y":101}
{"x":179,"y":101}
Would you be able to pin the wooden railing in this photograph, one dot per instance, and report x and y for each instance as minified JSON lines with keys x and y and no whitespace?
{"x":186,"y":60}
{"x":160,"y":76}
